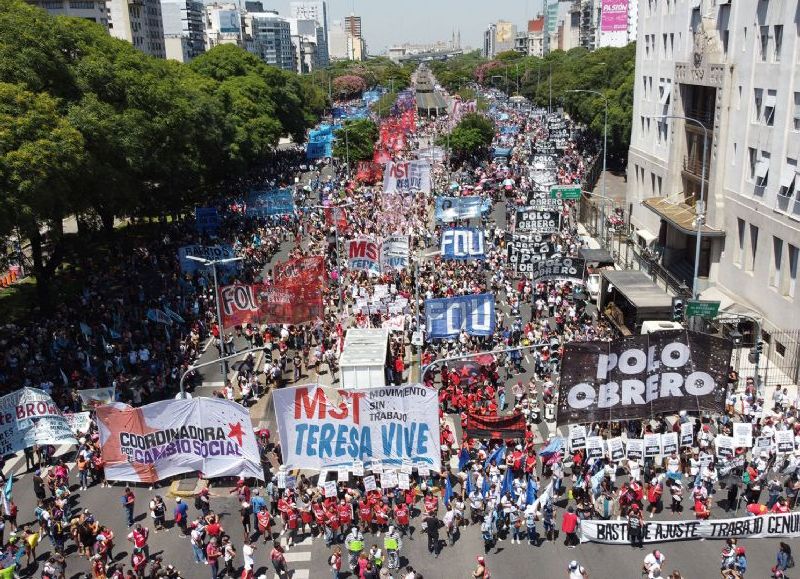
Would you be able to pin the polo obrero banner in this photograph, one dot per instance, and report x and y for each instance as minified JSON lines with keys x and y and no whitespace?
{"x":163,"y":439}
{"x":639,"y":376}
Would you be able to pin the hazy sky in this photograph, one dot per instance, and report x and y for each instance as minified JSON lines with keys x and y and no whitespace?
{"x":388,"y":22}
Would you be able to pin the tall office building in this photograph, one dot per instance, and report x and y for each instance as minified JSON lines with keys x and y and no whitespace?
{"x":314,"y":10}
{"x":732,"y":67}
{"x":139,"y":22}
{"x":269,"y":36}
{"x":223,"y":25}
{"x":183,"y":29}
{"x":94,"y":10}
{"x":352,"y":25}
{"x":499,"y":37}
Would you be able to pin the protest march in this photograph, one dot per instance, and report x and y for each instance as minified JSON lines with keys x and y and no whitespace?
{"x":216,"y":373}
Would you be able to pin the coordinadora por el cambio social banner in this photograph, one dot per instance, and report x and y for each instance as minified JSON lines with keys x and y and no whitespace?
{"x":329,"y":428}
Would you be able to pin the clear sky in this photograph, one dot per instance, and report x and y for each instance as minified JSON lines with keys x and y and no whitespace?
{"x":389,"y":22}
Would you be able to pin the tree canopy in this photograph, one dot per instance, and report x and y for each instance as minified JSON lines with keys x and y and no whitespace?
{"x":355,"y":140}
{"x":470,"y":138}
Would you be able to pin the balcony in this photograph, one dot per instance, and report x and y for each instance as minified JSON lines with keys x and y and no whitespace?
{"x":694,"y":167}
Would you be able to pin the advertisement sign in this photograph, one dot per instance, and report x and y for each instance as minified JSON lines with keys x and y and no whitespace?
{"x":407,"y":176}
{"x":206,"y":219}
{"x":211,"y":436}
{"x":328,"y":428}
{"x":536,"y":221}
{"x":449,"y":209}
{"x":209,"y":252}
{"x":363,"y":254}
{"x":560,"y":268}
{"x":463,"y":243}
{"x":764,"y":527}
{"x":29,"y":417}
{"x":447,"y":317}
{"x":614,"y":15}
{"x":639,"y":376}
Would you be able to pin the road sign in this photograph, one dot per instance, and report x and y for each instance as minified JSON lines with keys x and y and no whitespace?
{"x":565,"y":192}
{"x":702,"y":308}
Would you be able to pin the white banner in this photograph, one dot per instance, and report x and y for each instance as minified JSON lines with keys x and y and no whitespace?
{"x":79,"y":422}
{"x":93,"y":397}
{"x":394,"y":252}
{"x":328,"y":428}
{"x":764,"y":527}
{"x":407,"y":176}
{"x":147,"y":444}
{"x":395,"y":323}
{"x":29,"y":417}
{"x":743,"y":434}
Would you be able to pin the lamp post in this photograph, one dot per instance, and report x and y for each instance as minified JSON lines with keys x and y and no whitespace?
{"x":335,"y":209}
{"x":700,"y":210}
{"x":221,"y":327}
{"x":223,"y":359}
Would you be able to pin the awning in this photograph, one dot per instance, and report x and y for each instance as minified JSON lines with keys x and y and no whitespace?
{"x":762,"y":167}
{"x":599,"y":256}
{"x":680,"y":216}
{"x":666,"y":90}
{"x":646,"y":235}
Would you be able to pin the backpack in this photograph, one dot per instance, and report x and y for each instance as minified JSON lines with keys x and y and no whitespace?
{"x":790,"y":563}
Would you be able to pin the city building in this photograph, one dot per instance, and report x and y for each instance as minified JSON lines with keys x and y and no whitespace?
{"x":269,"y":36}
{"x":337,"y":41}
{"x":499,"y":37}
{"x":94,"y":10}
{"x":733,"y":67}
{"x":590,"y":16}
{"x":184,"y":29}
{"x":618,"y":21}
{"x":531,"y":42}
{"x":223,"y":25}
{"x":139,"y":22}
{"x":345,"y":40}
{"x":306,"y":36}
{"x":408,"y":49}
{"x":318,"y":11}
{"x":352,"y":25}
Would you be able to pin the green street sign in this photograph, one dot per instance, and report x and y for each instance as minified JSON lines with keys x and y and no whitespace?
{"x":702,"y":308}
{"x":565,"y":192}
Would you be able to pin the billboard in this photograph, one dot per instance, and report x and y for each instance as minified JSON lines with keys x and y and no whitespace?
{"x":614,"y":15}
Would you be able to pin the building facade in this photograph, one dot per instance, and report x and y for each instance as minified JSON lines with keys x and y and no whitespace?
{"x":317,"y":11}
{"x":269,"y":36}
{"x":500,"y":36}
{"x":618,"y":22}
{"x":139,"y":22}
{"x":224,"y":24}
{"x":184,"y":29}
{"x":93,"y":10}
{"x":733,"y":67}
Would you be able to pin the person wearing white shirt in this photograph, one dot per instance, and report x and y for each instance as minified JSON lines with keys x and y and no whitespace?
{"x":247,"y":554}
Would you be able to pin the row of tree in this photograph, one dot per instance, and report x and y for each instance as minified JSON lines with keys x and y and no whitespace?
{"x":91,"y":126}
{"x":547,"y":82}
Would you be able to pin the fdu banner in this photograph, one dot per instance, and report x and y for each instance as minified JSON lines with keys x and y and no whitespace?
{"x":209,"y":252}
{"x":269,"y":203}
{"x":449,"y":209}
{"x":328,"y":428}
{"x":206,"y":219}
{"x":463,"y":243}
{"x":167,"y":438}
{"x":447,"y":317}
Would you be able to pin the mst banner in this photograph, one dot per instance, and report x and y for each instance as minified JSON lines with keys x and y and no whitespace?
{"x":447,"y":317}
{"x":639,"y":376}
{"x":163,"y":439}
{"x":407,"y":176}
{"x":560,"y":268}
{"x":29,"y":417}
{"x":328,"y":428}
{"x":764,"y":527}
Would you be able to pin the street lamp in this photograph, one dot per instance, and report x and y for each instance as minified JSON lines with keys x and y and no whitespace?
{"x":223,"y":359}
{"x":700,"y":206}
{"x":213,"y":264}
{"x":335,"y":209}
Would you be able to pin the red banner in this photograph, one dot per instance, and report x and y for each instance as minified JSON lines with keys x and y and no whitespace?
{"x":508,"y":427}
{"x":369,"y":172}
{"x":341,"y":218}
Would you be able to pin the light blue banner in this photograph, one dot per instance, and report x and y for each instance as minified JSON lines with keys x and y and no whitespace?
{"x":463,"y":243}
{"x":269,"y":203}
{"x":447,"y":317}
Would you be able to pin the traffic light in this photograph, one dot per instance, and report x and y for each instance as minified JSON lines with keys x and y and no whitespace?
{"x":755,"y":352}
{"x":678,"y":309}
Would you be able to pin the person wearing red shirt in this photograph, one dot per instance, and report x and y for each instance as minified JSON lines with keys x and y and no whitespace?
{"x":431,"y":503}
{"x":780,"y":506}
{"x":264,"y":524}
{"x":381,"y":517}
{"x":701,"y":510}
{"x":364,"y":515}
{"x":345,"y":512}
{"x":401,"y":517}
{"x":530,"y":462}
{"x":292,"y":522}
{"x":569,"y":526}
{"x":212,"y":556}
{"x":332,"y":523}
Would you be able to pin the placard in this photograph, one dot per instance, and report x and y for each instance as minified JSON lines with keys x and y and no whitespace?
{"x":594,"y":447}
{"x":358,"y":468}
{"x":652,"y":445}
{"x":423,"y":471}
{"x":726,"y":446}
{"x":784,"y":441}
{"x":743,"y":434}
{"x":342,"y":475}
{"x":634,"y":449}
{"x":389,"y":479}
{"x":369,"y":483}
{"x":406,"y":466}
{"x":763,"y":444}
{"x":403,"y":481}
{"x":376,"y":466}
{"x":616,"y":448}
{"x":669,"y":443}
{"x":330,"y":489}
{"x":687,"y":434}
{"x":577,"y":437}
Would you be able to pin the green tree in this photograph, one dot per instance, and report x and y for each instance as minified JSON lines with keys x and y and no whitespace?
{"x":470,"y":138}
{"x":355,"y":140}
{"x":39,"y":152}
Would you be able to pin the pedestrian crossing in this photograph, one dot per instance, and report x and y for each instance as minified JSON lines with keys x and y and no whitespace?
{"x":16,"y":464}
{"x":298,"y":559}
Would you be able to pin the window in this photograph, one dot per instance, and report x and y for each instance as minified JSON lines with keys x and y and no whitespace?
{"x":659,"y":180}
{"x":763,"y":35}
{"x":740,"y":249}
{"x":776,"y":56}
{"x":788,"y":178}
{"x":758,"y":100}
{"x":751,"y":258}
{"x":792,"y":286}
{"x":662,"y":131}
{"x":653,"y":182}
{"x":777,"y":257}
{"x":644,"y":86}
{"x":642,"y":119}
{"x":769,"y":108}
{"x":762,"y":170}
{"x":664,"y":44}
{"x":752,"y":157}
{"x":725,"y":39}
{"x":780,"y":349}
{"x":671,"y":45}
{"x":664,"y":90}
{"x":796,"y":115}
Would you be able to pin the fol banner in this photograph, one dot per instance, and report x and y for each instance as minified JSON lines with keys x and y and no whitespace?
{"x":560,"y":268}
{"x":29,"y":417}
{"x":407,"y":176}
{"x":211,"y":436}
{"x":447,"y":317}
{"x":449,"y":209}
{"x":537,"y":221}
{"x":326,"y":428}
{"x":768,"y":526}
{"x":641,"y":376}
{"x":463,"y":243}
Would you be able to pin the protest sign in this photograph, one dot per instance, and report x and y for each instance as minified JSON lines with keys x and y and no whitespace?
{"x":525,"y":250}
{"x":407,"y":176}
{"x":669,"y":443}
{"x":762,"y":444}
{"x":463,"y":243}
{"x":358,"y":468}
{"x":330,"y":489}
{"x":536,"y":221}
{"x":447,"y":317}
{"x":389,"y":479}
{"x":577,"y":437}
{"x":652,"y":445}
{"x":93,"y":397}
{"x":616,"y":448}
{"x":270,"y":203}
{"x":394,"y":252}
{"x":558,"y":268}
{"x":29,"y":417}
{"x":79,"y":422}
{"x":449,"y":209}
{"x":594,"y":447}
{"x":764,"y":527}
{"x":206,"y":219}
{"x":784,"y":441}
{"x":687,"y":434}
{"x":369,"y":483}
{"x":323,"y":427}
{"x":634,"y":449}
{"x":363,"y":254}
{"x":725,"y":446}
{"x":640,"y":376}
{"x":163,"y":439}
{"x":403,"y":481}
{"x":743,"y":434}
